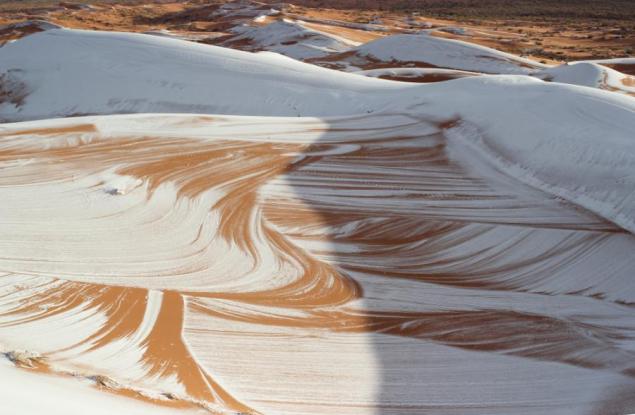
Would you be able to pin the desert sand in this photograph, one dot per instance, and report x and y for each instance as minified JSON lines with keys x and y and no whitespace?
{"x":261,"y":217}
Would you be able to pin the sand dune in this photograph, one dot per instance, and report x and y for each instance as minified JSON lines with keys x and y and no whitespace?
{"x":263,"y":250}
{"x":428,"y":51}
{"x":590,"y":74}
{"x":75,"y":72}
{"x":267,"y":236}
{"x":287,"y":37}
{"x":624,"y":65}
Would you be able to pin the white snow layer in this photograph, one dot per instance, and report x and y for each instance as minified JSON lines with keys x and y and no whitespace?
{"x":575,"y":142}
{"x":35,"y":393}
{"x":446,"y":53}
{"x":292,"y":39}
{"x":588,"y":74}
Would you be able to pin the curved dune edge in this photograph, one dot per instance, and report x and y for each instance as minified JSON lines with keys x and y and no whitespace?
{"x":57,"y":391}
{"x":470,"y":136}
{"x":32,"y":362}
{"x":166,"y":75}
{"x":228,"y":238}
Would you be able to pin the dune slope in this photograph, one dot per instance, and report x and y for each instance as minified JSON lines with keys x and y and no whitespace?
{"x":279,"y":238}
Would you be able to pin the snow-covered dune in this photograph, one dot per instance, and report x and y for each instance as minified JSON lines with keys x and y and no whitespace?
{"x":624,"y":65}
{"x":289,"y":38}
{"x":73,"y":72}
{"x":427,"y":50}
{"x":61,"y":72}
{"x":334,"y":266}
{"x":308,"y":241}
{"x":589,"y":74}
{"x":574,"y":142}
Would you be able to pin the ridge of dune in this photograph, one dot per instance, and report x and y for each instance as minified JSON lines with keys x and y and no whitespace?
{"x":145,"y":73}
{"x":277,"y":85}
{"x":172,"y":75}
{"x":428,"y":50}
{"x":624,"y":65}
{"x":589,"y":74}
{"x":528,"y":134}
{"x":289,"y":38}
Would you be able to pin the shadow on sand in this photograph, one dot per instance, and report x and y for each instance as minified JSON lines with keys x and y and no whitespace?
{"x":465,"y":278}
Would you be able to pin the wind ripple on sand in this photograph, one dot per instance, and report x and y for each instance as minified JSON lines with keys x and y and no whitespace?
{"x":304,"y":266}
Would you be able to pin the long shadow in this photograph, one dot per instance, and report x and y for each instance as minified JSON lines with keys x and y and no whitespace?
{"x":472,"y":287}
